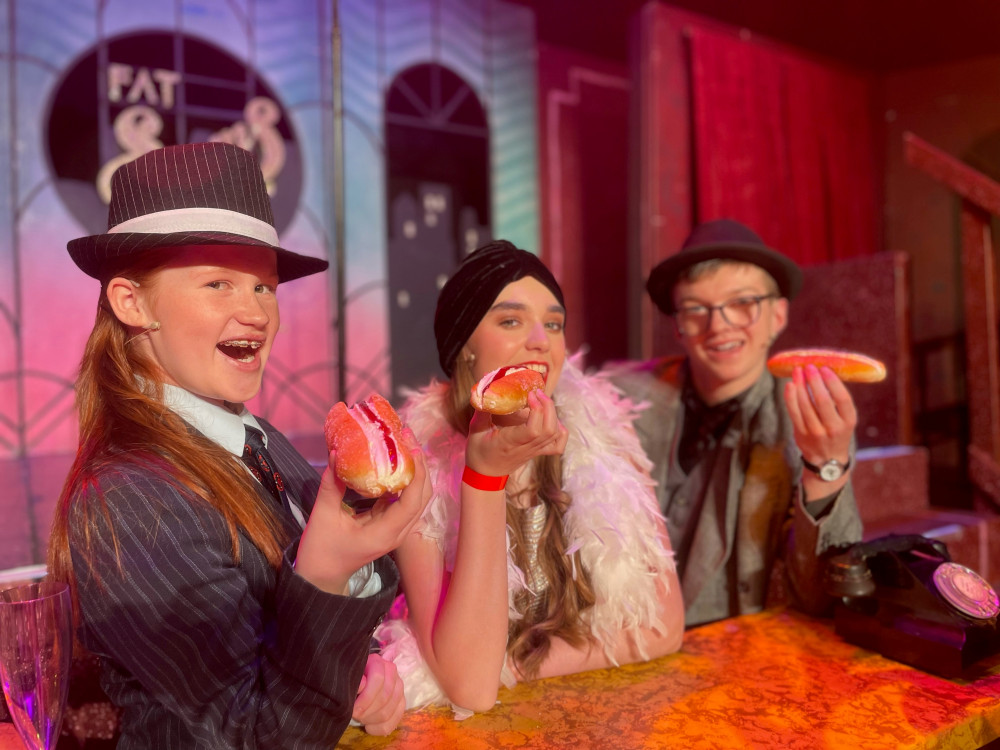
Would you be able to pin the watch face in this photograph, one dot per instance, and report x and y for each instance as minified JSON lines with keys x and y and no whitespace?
{"x":830,"y":471}
{"x":966,"y":590}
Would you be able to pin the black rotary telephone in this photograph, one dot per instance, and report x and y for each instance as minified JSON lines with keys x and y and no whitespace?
{"x":902,"y":596}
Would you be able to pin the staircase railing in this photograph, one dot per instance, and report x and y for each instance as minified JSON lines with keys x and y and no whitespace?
{"x":980,"y":200}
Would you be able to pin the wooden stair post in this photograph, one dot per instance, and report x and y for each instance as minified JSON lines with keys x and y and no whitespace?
{"x":980,"y":199}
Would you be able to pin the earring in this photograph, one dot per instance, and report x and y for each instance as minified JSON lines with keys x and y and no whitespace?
{"x":470,"y":359}
{"x":154,"y":326}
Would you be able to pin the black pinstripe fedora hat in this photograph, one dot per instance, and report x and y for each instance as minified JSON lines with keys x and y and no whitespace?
{"x":193,"y":194}
{"x":721,"y":239}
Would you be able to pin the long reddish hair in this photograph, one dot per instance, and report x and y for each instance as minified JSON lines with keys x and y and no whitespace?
{"x":123,"y":420}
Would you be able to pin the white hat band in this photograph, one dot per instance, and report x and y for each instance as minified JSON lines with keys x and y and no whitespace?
{"x":199,"y":220}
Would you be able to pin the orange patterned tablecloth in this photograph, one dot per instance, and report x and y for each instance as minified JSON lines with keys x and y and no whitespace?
{"x":8,"y":738}
{"x":772,"y":680}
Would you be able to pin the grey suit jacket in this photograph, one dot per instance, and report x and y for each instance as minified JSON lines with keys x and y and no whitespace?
{"x":204,"y":652}
{"x":753,"y":537}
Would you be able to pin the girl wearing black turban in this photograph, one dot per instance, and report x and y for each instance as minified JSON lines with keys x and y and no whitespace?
{"x":542,"y":551}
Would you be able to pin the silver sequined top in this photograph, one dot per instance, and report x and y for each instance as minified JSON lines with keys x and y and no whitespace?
{"x":532,"y":525}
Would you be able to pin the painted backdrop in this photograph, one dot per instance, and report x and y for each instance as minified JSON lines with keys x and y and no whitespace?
{"x":84,"y":84}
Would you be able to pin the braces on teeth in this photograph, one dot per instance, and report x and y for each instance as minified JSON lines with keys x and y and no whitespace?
{"x":243,"y":343}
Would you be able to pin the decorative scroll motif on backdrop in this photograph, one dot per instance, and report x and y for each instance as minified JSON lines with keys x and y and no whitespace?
{"x":137,"y":128}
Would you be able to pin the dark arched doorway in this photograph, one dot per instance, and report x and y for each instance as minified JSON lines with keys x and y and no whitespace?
{"x":438,"y":204}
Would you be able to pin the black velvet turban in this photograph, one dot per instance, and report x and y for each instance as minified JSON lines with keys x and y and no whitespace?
{"x":472,"y":290}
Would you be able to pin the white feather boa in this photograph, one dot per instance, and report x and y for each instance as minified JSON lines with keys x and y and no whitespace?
{"x":612,"y":519}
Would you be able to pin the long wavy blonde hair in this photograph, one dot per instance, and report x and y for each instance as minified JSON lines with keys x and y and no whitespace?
{"x":570,"y":592}
{"x":123,"y":422}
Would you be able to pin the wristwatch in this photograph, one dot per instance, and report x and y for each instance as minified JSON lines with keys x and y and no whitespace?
{"x":831,"y":471}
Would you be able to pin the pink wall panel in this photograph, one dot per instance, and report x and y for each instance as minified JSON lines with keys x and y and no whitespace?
{"x":584,"y":112}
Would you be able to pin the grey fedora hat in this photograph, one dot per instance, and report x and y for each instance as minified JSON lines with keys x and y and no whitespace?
{"x":723,"y":239}
{"x":192,"y":194}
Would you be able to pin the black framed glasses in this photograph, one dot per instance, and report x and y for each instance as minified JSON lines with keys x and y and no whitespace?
{"x":739,"y":312}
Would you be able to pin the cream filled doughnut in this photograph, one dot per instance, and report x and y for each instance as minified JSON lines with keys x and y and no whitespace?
{"x":371,"y":456}
{"x":505,"y":390}
{"x":849,"y":366}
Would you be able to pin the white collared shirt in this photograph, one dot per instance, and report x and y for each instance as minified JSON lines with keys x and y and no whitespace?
{"x":228,"y":429}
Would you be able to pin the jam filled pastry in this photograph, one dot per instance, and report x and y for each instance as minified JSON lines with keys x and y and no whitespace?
{"x":505,"y":390}
{"x":371,"y":456}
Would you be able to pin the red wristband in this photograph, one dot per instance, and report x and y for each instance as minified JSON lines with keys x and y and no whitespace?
{"x":482,"y":482}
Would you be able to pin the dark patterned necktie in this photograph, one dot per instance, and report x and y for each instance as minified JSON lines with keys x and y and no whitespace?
{"x":261,"y":465}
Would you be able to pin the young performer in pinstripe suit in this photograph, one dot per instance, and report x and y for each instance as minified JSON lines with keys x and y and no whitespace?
{"x":226,"y":615}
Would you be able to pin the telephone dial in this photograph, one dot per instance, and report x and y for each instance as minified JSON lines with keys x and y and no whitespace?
{"x":902,"y":596}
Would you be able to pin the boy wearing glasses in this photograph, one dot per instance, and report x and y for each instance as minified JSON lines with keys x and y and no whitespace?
{"x":753,"y":473}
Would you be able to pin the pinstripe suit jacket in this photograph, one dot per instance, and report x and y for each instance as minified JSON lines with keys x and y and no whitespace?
{"x":202,"y":652}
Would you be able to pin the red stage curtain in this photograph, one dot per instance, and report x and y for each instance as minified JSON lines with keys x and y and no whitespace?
{"x":785,"y":145}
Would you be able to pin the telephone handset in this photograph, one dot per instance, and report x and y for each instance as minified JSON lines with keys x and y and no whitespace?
{"x":901,"y":595}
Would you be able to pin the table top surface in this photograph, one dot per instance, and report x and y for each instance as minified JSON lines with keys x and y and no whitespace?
{"x":8,"y":737}
{"x":775,"y":679}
